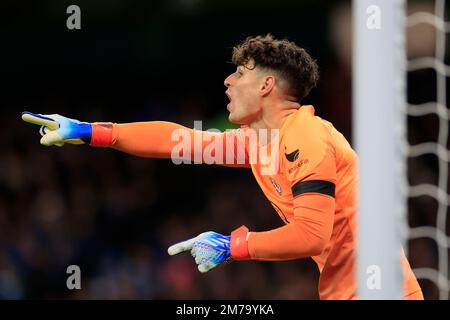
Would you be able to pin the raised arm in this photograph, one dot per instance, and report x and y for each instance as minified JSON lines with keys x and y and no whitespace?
{"x":153,"y":139}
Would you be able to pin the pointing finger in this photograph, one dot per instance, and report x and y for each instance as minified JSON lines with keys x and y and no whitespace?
{"x":181,"y":247}
{"x":39,"y":119}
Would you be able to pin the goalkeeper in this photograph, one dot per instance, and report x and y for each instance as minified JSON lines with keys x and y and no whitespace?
{"x":313,"y":191}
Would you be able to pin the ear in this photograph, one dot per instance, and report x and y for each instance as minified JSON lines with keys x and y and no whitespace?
{"x":267,"y":84}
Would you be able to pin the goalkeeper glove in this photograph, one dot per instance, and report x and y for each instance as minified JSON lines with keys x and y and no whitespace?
{"x":58,"y":130}
{"x":209,"y":249}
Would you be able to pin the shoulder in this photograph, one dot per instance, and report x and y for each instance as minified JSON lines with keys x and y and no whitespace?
{"x":304,"y":128}
{"x":305,"y":143}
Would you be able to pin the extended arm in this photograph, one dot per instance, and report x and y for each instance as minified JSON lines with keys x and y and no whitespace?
{"x":152,"y":139}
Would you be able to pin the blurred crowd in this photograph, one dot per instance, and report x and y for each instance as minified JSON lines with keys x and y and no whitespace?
{"x":114,"y":215}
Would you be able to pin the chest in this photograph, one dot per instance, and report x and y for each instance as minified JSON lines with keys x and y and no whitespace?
{"x":277,"y":190}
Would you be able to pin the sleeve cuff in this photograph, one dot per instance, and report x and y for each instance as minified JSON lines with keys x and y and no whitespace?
{"x":239,"y":244}
{"x":101,"y":134}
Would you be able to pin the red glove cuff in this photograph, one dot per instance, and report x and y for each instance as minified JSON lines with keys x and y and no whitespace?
{"x":101,"y":134}
{"x":239,"y":244}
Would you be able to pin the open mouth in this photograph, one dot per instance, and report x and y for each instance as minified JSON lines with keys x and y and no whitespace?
{"x":229,"y":98}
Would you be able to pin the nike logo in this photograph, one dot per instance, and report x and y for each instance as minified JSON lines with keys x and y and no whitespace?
{"x":291,"y":157}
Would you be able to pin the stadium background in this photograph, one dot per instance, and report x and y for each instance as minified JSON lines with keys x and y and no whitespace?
{"x":114,"y":215}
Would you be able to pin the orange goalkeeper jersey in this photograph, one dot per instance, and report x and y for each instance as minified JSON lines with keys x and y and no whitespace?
{"x":317,"y":166}
{"x":313,"y":190}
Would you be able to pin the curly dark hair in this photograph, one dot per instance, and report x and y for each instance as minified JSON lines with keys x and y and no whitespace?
{"x":289,"y":61}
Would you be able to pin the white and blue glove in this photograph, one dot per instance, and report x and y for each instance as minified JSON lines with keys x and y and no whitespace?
{"x":209,"y":249}
{"x":57,"y":130}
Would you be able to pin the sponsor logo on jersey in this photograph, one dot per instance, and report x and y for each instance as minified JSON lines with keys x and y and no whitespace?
{"x":298,"y":165}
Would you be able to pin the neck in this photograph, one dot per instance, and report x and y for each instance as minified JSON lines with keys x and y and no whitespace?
{"x":273,"y":117}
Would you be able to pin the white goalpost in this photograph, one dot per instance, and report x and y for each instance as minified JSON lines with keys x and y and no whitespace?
{"x":387,"y":184}
{"x":378,"y":100}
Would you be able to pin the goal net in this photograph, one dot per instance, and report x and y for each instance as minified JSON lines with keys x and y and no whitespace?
{"x":426,"y":145}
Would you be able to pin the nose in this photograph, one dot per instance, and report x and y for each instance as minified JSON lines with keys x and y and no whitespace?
{"x":227,"y":81}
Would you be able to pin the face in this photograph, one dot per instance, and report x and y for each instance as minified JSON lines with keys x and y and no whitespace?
{"x":244,"y":94}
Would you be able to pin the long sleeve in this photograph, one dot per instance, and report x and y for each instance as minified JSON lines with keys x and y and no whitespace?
{"x":307,"y":235}
{"x":150,"y":139}
{"x":161,"y":139}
